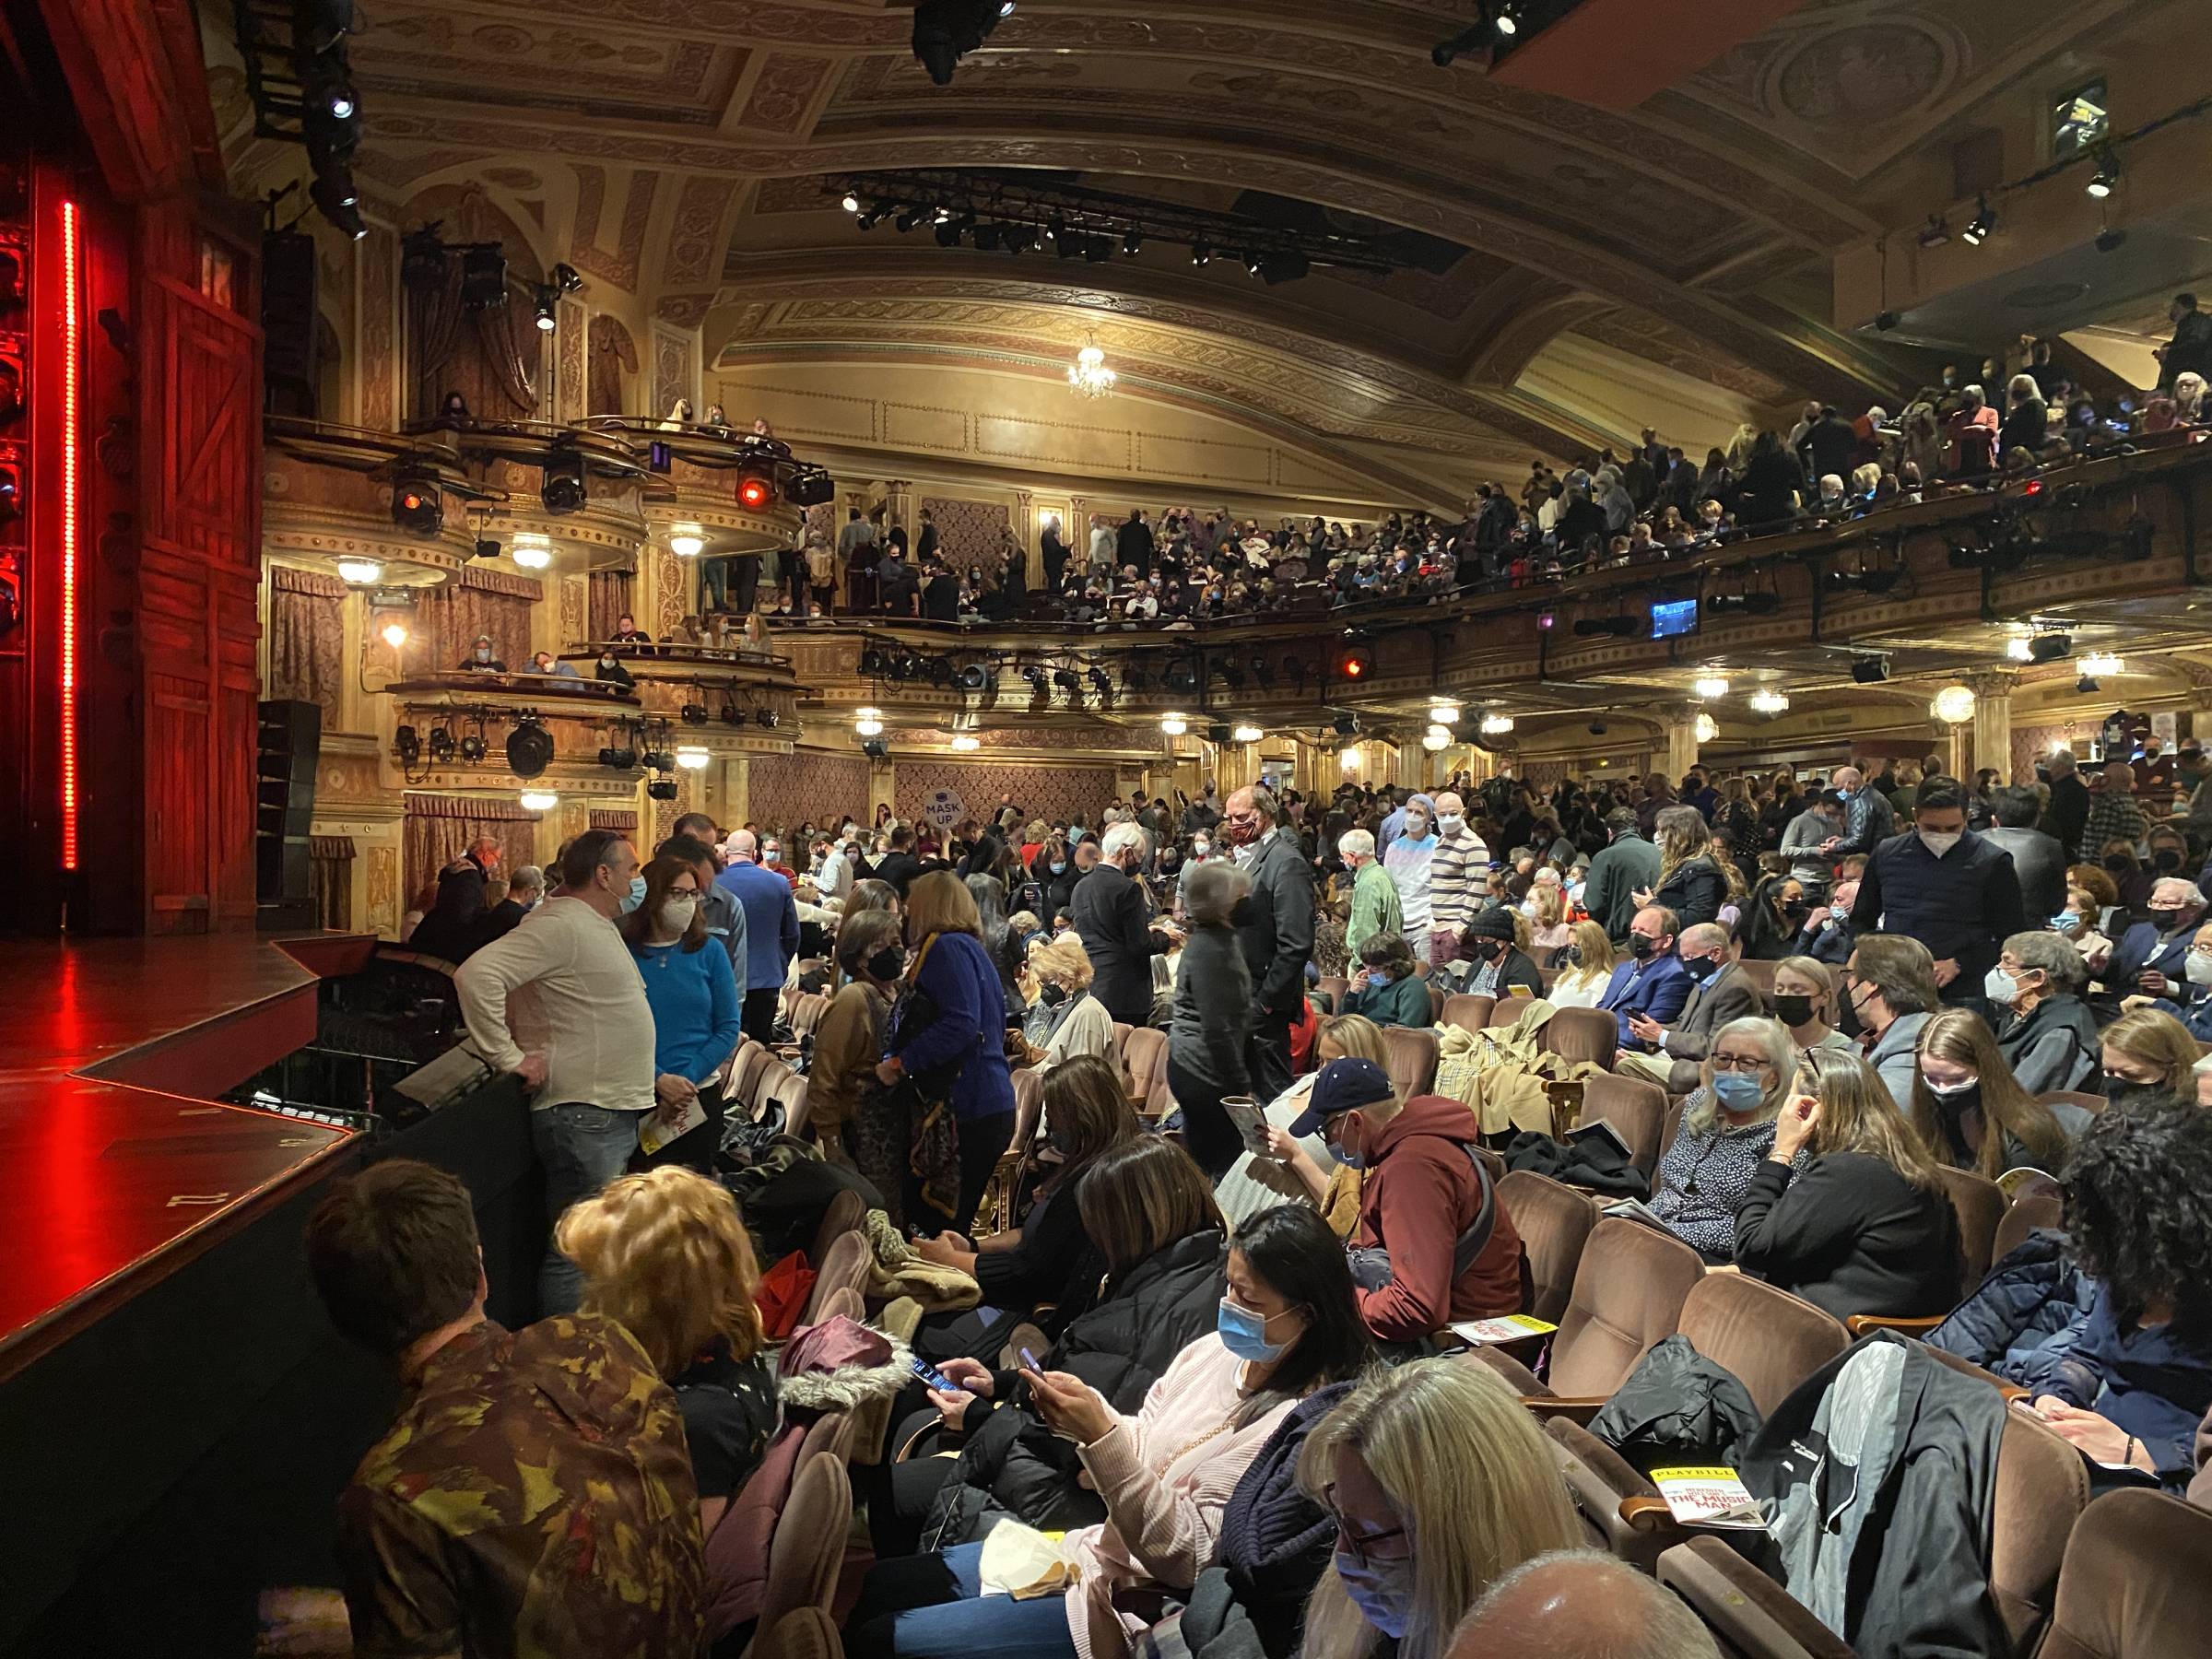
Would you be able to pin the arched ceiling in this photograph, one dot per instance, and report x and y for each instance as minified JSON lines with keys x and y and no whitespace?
{"x":679,"y":149}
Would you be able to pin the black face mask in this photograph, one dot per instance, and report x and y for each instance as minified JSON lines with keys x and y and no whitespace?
{"x":1489,"y":950}
{"x":1051,"y":995}
{"x":2119,"y":866}
{"x":887,"y":963}
{"x":1847,"y":1015}
{"x":1641,"y":946}
{"x":2165,"y":920}
{"x":1700,"y":967}
{"x":2118,"y":1089}
{"x":1792,"y":1010}
{"x":2167,"y":859}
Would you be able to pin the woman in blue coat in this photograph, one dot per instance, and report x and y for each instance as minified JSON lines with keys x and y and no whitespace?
{"x":693,"y":996}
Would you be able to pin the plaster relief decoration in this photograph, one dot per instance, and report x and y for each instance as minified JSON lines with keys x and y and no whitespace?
{"x":380,"y":329}
{"x":695,"y":244}
{"x":672,"y":375}
{"x":613,"y":367}
{"x":570,"y":389}
{"x":783,"y":92}
{"x":383,"y":895}
{"x":621,"y":265}
{"x":967,"y":530}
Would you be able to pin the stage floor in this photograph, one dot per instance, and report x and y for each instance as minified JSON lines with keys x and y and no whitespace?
{"x":116,"y":1164}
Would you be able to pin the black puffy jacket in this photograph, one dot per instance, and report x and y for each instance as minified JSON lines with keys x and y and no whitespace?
{"x":1014,"y":1465}
{"x":1677,"y":1407}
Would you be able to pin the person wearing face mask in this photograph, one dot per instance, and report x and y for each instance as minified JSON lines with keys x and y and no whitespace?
{"x":1951,"y":888}
{"x":483,"y":658}
{"x":1161,"y":1473}
{"x":1079,"y":1023}
{"x":1727,"y":1127}
{"x":2147,"y":1053}
{"x":1459,"y":878}
{"x":1114,"y":921}
{"x":1439,"y":1483}
{"x":1889,"y":992}
{"x":1375,"y":908}
{"x":1389,"y":991}
{"x":1974,"y":1114}
{"x":1209,"y":1022}
{"x":2045,"y":1032}
{"x":1409,"y":858}
{"x":2039,"y":859}
{"x":1667,"y":1051}
{"x":1652,"y":983}
{"x":693,"y":996}
{"x":772,"y":931}
{"x":859,"y":1123}
{"x":582,"y":1037}
{"x":1432,"y":1243}
{"x":1497,"y":966}
{"x":1804,"y":1001}
{"x":2152,"y":958}
{"x":610,"y":670}
{"x":1275,"y":923}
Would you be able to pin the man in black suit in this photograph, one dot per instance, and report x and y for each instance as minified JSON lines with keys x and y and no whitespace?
{"x":524,"y":889}
{"x":941,"y":594}
{"x":899,"y":866}
{"x":1133,"y":546}
{"x":2069,"y":812}
{"x":1112,"y":919}
{"x":1276,"y":927}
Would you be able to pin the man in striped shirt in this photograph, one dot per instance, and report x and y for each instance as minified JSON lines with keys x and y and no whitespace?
{"x":1459,"y":879}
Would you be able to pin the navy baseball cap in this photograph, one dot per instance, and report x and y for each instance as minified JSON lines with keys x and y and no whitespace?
{"x":1338,"y":1086}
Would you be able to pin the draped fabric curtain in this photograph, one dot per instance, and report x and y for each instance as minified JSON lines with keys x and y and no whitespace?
{"x":601,"y":818}
{"x":489,"y":356}
{"x":330,"y":880}
{"x":307,"y":639}
{"x":481,"y":602}
{"x":434,"y":319}
{"x":609,"y":602}
{"x":502,"y":335}
{"x":438,"y":829}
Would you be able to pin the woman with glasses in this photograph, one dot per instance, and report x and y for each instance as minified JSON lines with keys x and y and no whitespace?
{"x":1727,"y":1128}
{"x":1439,"y":1483}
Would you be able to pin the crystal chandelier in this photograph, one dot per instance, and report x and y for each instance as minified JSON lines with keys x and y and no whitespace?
{"x":1089,"y":375}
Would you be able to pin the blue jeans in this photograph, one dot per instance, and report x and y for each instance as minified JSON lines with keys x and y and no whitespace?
{"x":714,"y":580}
{"x":580,"y":1148}
{"x":932,"y":1608}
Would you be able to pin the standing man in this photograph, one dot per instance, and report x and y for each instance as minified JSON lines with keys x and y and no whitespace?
{"x":771,"y":932}
{"x":1103,"y":544}
{"x":1953,"y":890}
{"x":1868,"y":821}
{"x":1113,"y":920}
{"x":694,"y":842}
{"x":558,"y":1002}
{"x":2037,"y":859}
{"x":1459,"y":879}
{"x":2114,"y":814}
{"x":1277,"y":932}
{"x":856,"y":547}
{"x":1133,"y":546}
{"x":1627,"y":866}
{"x":1820,"y":823}
{"x":2069,"y":812}
{"x":1375,"y":908}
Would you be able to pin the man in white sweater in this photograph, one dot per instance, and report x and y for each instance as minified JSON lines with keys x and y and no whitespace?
{"x":559,"y":1002}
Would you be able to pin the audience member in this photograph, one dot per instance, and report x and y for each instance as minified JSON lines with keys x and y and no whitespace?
{"x":1075,"y":1021}
{"x":1277,"y":929}
{"x":1727,"y":1129}
{"x":1209,"y":1027}
{"x":2146,"y":1051}
{"x":1389,"y":990}
{"x":1719,"y":991}
{"x":1587,"y":968}
{"x":693,"y":996}
{"x":1581,"y":1604}
{"x":1652,"y":981}
{"x":1890,"y":984}
{"x":1804,"y":1001}
{"x":2044,"y":1029}
{"x":1973,"y":1114}
{"x":860,"y":1123}
{"x":1945,"y":885}
{"x":772,"y":931}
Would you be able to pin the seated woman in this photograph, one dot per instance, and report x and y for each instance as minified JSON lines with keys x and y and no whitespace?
{"x":2044,"y":1029}
{"x":2130,"y":1378}
{"x":860,"y":1123}
{"x":1078,"y":1022}
{"x":1587,"y":971}
{"x":1302,"y":1168}
{"x":692,"y":991}
{"x":1804,"y":1001}
{"x":2147,"y":1051}
{"x":1727,"y":1129}
{"x":1287,"y":1327}
{"x":1970,"y":1114}
{"x":1548,"y":929}
{"x":1439,"y":1483}
{"x":1050,"y":1257}
{"x":1866,"y":1226}
{"x":1391,"y":992}
{"x":667,"y":1253}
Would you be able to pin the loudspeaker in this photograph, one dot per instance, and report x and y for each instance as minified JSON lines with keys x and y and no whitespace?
{"x":292,"y":353}
{"x":290,"y":745}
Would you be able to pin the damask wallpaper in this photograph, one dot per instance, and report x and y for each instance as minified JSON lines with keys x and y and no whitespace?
{"x":1043,"y":791}
{"x":966,"y":530}
{"x":792,"y":789}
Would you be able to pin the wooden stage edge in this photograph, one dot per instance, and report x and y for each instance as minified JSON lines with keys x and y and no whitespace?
{"x":120,"y":1164}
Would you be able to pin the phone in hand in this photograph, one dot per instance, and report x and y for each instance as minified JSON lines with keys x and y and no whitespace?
{"x":1028,"y":1363}
{"x":934,"y":1377}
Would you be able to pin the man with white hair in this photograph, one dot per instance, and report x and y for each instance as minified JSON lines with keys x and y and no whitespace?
{"x":2152,"y":958}
{"x":1868,"y":819}
{"x":1459,"y":879}
{"x":1113,"y":918}
{"x":1581,"y":1604}
{"x":1374,"y":896}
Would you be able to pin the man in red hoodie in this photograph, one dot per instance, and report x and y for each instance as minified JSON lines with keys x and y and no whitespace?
{"x":1421,"y":1192}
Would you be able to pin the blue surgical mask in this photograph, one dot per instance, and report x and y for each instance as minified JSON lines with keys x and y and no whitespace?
{"x":636,"y":895}
{"x":1244,"y":1333}
{"x":1382,"y":1591}
{"x":1737,"y":1091}
{"x":2065,"y":921}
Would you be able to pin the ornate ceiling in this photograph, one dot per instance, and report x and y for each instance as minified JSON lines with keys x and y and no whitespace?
{"x":674,"y":150}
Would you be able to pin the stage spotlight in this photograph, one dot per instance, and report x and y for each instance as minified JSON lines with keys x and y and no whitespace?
{"x":483,"y":278}
{"x":1887,"y":319}
{"x":1355,"y":663}
{"x":1870,"y":671}
{"x":442,"y":746}
{"x":1133,"y":243}
{"x":561,"y":490}
{"x":937,"y":670}
{"x":987,"y":238}
{"x":850,"y":202}
{"x":693,"y":713}
{"x":729,"y":713}
{"x":1018,"y":239}
{"x":974,"y":677}
{"x":1101,"y":682}
{"x":529,"y":747}
{"x":407,"y":746}
{"x":1182,"y":677}
{"x":1232,"y":673}
{"x":2107,"y":177}
{"x":875,"y":748}
{"x":474,"y":748}
{"x":948,"y":30}
{"x":1346,"y":724}
{"x":421,"y":260}
{"x":418,"y":507}
{"x":950,"y":230}
{"x":1252,"y":263}
{"x":1284,"y":268}
{"x":905,"y":666}
{"x":1504,"y":23}
{"x":874,"y":663}
{"x":546,"y":304}
{"x":910,"y":217}
{"x":1034,"y":673}
{"x":2050,"y":647}
{"x":1263,"y":671}
{"x":2086,"y":684}
{"x":1065,"y":679}
{"x":1983,"y":222}
{"x":1098,"y":249}
{"x":872,"y":218}
{"x":660,"y":789}
{"x":755,"y":491}
{"x":765,"y":718}
{"x":618,"y":759}
{"x":657,"y":760}
{"x":1201,"y":255}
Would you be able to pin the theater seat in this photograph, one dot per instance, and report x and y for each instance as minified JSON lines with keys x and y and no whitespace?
{"x":2138,"y":1580}
{"x":2073,"y":1097}
{"x":1749,"y":1615}
{"x":2024,"y":1215}
{"x":2042,"y":1485}
{"x":845,"y":1212}
{"x":808,"y":1550}
{"x":790,"y":1094}
{"x":1582,"y":1034}
{"x":1772,"y":1340}
{"x":1507,"y":1009}
{"x":1144,"y":1058}
{"x":1553,"y":1222}
{"x":767,"y":1085}
{"x":1761,"y":974}
{"x":844,"y":1266}
{"x":1334,"y":986}
{"x":1981,"y":1206}
{"x":1636,"y":1110}
{"x":1468,"y":1013}
{"x":1629,"y":1286}
{"x":1409,"y":1056}
{"x":1436,"y":1005}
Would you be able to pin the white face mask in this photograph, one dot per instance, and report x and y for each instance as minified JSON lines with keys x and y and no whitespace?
{"x":1938,"y":844}
{"x":678,"y":910}
{"x":2003,"y":989}
{"x":1449,"y":822}
{"x":2199,"y":969}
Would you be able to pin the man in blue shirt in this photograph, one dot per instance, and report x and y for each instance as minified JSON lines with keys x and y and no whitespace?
{"x":772,"y":931}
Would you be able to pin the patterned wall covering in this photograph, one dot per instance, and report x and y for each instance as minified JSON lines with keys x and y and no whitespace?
{"x":791,"y":789}
{"x":2032,"y":744}
{"x":1049,"y":791}
{"x":966,"y":530}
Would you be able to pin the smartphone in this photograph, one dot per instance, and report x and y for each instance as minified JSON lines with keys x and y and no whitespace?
{"x":935,"y":1378}
{"x":1029,"y":1362}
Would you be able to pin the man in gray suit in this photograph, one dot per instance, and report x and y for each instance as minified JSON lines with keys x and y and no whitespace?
{"x":1724,"y":992}
{"x":2037,"y":859}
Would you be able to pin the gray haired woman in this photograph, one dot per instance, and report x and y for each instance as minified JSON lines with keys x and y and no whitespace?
{"x":1211,"y":1020}
{"x":1727,"y":1128}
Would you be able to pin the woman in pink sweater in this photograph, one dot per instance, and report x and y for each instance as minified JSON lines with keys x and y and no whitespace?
{"x":1287,"y":1327}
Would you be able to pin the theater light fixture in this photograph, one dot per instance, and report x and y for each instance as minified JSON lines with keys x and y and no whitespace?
{"x":1173,"y":725}
{"x":660,"y":789}
{"x":1870,"y":670}
{"x":2016,"y":647}
{"x":1496,"y":725}
{"x":1710,"y":686}
{"x":693,"y":758}
{"x":531,"y":551}
{"x":529,"y":747}
{"x":868,"y":722}
{"x":394,"y":634}
{"x":1443,"y":713}
{"x":756,"y":492}
{"x":684,"y":541}
{"x":417,"y":506}
{"x":2107,"y":176}
{"x":1768,"y":702}
{"x":2050,"y":647}
{"x":1953,"y":704}
{"x":360,"y":572}
{"x":1706,"y":727}
{"x":849,"y":203}
{"x":561,"y":488}
{"x":1347,"y":759}
{"x":1983,"y":222}
{"x":1247,"y":734}
{"x":966,"y":742}
{"x":2102,"y":665}
{"x":1436,"y":738}
{"x":539,"y":800}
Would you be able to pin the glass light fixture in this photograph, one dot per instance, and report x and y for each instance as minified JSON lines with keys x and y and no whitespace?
{"x":1496,"y":725}
{"x":1248,"y":734}
{"x":684,"y":541}
{"x":1708,"y":728}
{"x":868,"y":722}
{"x":1088,"y":374}
{"x":1436,"y":738}
{"x":360,"y":572}
{"x":538,"y":800}
{"x":1349,"y":760}
{"x":2017,"y":648}
{"x":1441,"y":712}
{"x":531,"y":551}
{"x":1769,"y":703}
{"x":1954,"y":704}
{"x":2099,"y":663}
{"x":1710,"y":686}
{"x":1174,"y":725}
{"x":394,"y":634}
{"x":966,"y":742}
{"x":693,"y":758}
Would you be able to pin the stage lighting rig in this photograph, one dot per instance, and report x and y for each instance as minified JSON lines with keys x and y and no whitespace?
{"x":529,"y":746}
{"x":418,"y":506}
{"x":948,"y":30}
{"x":561,"y":489}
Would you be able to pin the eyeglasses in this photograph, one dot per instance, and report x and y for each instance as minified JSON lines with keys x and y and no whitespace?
{"x":1355,"y":1544}
{"x":1739,"y":1063}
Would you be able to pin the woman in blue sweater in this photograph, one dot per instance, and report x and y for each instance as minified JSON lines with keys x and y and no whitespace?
{"x":947,"y":1038}
{"x":693,"y":996}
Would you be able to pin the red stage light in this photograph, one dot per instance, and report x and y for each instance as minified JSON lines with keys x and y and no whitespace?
{"x":753,"y":493}
{"x":72,"y":480}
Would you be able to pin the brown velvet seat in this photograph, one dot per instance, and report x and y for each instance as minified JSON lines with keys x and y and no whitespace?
{"x":752,"y":1059}
{"x":1436,"y":1005}
{"x":767,"y":1086}
{"x":1749,"y":1614}
{"x":844,"y":1265}
{"x":1584,"y":1034}
{"x":808,"y":1550}
{"x":1761,"y":975}
{"x":1145,"y":1059}
{"x":2042,"y":1485}
{"x":790,"y":1094}
{"x":1334,"y":986}
{"x":1409,"y":1056}
{"x":2023,"y":1216}
{"x":1507,"y":1009}
{"x":1772,"y":1340}
{"x":845,"y":1212}
{"x":1636,"y":1110}
{"x":1468,"y":1013}
{"x":1627,"y":1294}
{"x":1553,"y":1222}
{"x":2137,"y":1583}
{"x":1980,"y":1206}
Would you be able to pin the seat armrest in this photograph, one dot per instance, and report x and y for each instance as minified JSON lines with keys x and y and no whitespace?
{"x":1860,"y":1324}
{"x":1645,"y":1514}
{"x":1510,"y":1370}
{"x":1577,"y":1410}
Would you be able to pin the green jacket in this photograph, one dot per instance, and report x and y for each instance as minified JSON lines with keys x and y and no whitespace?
{"x":1375,"y":910}
{"x":1401,"y":1003}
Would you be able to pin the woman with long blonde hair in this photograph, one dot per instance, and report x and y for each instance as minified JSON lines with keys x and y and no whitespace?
{"x":2147,"y":1049}
{"x":1866,"y":1226}
{"x":1588,"y":970}
{"x":1439,"y":1481}
{"x":667,"y":1254}
{"x":1970,"y":1112}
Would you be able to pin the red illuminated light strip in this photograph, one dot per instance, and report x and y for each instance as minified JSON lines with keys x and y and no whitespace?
{"x":72,"y":469}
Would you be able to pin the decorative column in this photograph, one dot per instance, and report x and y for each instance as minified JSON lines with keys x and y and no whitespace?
{"x":1024,"y":517}
{"x":899,"y":497}
{"x":1992,"y":731}
{"x":1681,"y":738}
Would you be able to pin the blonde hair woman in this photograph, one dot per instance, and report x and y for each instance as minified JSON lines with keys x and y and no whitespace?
{"x":1439,"y":1481}
{"x":1804,"y":1001}
{"x":1970,"y":1112}
{"x":667,"y":1255}
{"x":1583,"y":980}
{"x":1547,"y":915}
{"x":1303,"y":1171}
{"x":2147,"y":1049}
{"x":1727,"y":1127}
{"x":1866,"y":1226}
{"x":1690,"y":883}
{"x":1079,"y":1023}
